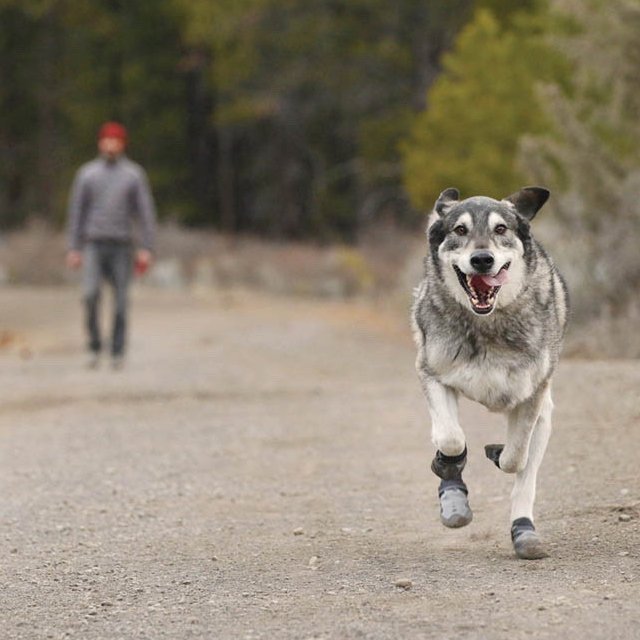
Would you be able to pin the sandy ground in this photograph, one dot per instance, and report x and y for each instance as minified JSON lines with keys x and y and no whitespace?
{"x":260,"y":470}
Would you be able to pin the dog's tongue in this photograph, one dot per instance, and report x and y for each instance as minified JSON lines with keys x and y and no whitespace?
{"x":495,"y":281}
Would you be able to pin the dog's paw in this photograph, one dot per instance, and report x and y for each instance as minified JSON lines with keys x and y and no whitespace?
{"x":510,"y":463}
{"x":526,"y":542}
{"x":455,"y":511}
{"x":501,"y":458}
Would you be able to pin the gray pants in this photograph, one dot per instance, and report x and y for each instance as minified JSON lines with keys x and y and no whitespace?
{"x":112,"y":261}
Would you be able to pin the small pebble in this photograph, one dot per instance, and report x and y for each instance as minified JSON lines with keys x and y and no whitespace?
{"x":313,"y":563}
{"x":404,"y":583}
{"x":624,"y":517}
{"x":298,"y":531}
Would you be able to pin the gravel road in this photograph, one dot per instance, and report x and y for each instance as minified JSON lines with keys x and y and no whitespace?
{"x":259,"y":470}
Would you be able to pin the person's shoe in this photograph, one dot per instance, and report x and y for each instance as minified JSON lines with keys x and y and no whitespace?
{"x":93,"y":361}
{"x":117,"y":362}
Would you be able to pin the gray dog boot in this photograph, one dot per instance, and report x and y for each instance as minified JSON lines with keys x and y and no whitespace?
{"x":454,"y":504}
{"x":526,"y":541}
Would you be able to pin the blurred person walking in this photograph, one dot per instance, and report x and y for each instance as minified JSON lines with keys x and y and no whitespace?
{"x":109,"y":198}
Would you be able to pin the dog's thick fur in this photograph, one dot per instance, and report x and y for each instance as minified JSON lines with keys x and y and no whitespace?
{"x":495,"y":343}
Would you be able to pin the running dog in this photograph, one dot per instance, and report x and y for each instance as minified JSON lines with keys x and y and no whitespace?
{"x":488,"y":320}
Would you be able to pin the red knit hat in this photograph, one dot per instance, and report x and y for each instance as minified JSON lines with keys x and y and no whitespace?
{"x":113,"y":130}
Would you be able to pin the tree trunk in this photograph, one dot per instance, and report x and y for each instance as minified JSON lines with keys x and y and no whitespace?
{"x":226,"y":186}
{"x":47,"y":92}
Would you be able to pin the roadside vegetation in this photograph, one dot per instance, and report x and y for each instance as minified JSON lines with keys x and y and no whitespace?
{"x":324,"y":124}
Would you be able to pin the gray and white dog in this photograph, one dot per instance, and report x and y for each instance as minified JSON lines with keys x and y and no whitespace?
{"x":488,"y":320}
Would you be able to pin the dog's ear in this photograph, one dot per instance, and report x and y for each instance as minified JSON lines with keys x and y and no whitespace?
{"x":446,"y":200}
{"x":529,"y":200}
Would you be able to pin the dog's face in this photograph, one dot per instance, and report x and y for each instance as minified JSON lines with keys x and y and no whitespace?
{"x":481,"y":245}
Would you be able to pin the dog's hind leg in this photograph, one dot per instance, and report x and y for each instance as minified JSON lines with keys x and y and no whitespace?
{"x":451,"y":455}
{"x":512,"y":456}
{"x":520,"y":426}
{"x":526,"y":542}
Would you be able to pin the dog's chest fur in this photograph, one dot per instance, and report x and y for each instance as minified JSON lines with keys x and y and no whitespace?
{"x":500,"y":360}
{"x":498,"y":373}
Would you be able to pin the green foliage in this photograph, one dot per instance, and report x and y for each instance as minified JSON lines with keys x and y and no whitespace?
{"x":67,"y":67}
{"x":597,"y":113}
{"x":594,"y":162}
{"x":18,"y":111}
{"x":481,"y":105}
{"x":279,"y":117}
{"x":319,"y":93}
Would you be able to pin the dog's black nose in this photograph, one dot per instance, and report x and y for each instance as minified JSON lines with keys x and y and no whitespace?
{"x":482,"y":261}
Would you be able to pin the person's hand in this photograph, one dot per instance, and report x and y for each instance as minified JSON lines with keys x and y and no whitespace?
{"x":143,"y":261}
{"x":73,"y":259}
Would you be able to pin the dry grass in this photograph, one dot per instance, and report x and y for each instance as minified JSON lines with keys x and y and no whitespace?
{"x":384,"y":267}
{"x":607,"y":336}
{"x":35,"y":256}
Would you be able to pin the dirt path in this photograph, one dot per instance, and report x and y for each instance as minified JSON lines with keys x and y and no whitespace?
{"x":260,"y":470}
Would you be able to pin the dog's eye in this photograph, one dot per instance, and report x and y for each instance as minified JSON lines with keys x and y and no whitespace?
{"x":500,"y":229}
{"x":460,"y":230}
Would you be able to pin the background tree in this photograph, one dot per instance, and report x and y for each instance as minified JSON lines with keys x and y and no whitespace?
{"x":480,"y":106}
{"x":311,"y":99}
{"x":278,"y":117}
{"x":594,"y":162}
{"x":26,"y":70}
{"x":66,"y":67}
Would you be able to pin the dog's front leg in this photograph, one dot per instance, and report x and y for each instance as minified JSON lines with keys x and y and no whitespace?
{"x":446,"y":433}
{"x":451,"y":454}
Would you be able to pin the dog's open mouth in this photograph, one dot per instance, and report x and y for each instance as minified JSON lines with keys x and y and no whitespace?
{"x":482,"y":289}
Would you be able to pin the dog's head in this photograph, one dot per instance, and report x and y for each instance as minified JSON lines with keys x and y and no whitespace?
{"x":481,"y":246}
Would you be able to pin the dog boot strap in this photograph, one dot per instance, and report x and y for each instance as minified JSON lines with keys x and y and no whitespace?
{"x":449,"y":467}
{"x":520,"y":526}
{"x":526,"y":542}
{"x":447,"y":485}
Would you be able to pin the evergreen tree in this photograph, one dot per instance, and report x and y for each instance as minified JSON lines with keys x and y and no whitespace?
{"x":480,"y":106}
{"x":311,"y":99}
{"x":594,"y":162}
{"x":271,"y":116}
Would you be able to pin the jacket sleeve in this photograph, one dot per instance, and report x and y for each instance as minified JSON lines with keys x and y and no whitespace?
{"x":146,"y":211}
{"x":77,"y":212}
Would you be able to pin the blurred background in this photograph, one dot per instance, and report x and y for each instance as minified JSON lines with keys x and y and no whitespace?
{"x":296,"y":146}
